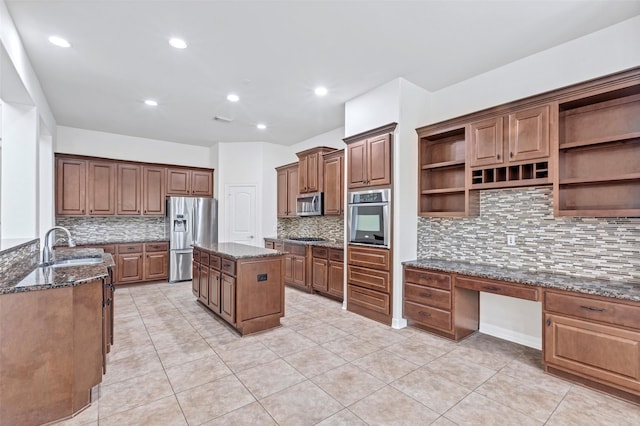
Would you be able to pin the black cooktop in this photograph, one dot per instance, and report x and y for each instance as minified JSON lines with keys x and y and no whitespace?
{"x":306,"y":239}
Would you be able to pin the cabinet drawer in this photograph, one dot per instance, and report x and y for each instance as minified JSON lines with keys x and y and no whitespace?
{"x":321,"y":252}
{"x":425,"y":315}
{"x":110,"y":248}
{"x":511,"y":290}
{"x":278,"y":246}
{"x":375,"y":258}
{"x":196,"y":255}
{"x":204,"y":258}
{"x":297,"y":249}
{"x":214,"y":262}
{"x":370,"y":278}
{"x":428,"y":296}
{"x":153,"y":247}
{"x":129,"y":248}
{"x":432,"y":279}
{"x":369,"y":299}
{"x":593,"y":309}
{"x":337,"y":255}
{"x":268,"y":244}
{"x":228,"y":267}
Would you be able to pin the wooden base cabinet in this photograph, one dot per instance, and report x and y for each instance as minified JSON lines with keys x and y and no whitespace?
{"x":298,"y":266}
{"x":593,"y":341}
{"x":369,"y":282}
{"x":328,"y":271}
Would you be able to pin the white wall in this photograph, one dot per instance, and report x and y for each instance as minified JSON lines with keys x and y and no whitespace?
{"x":373,"y":109}
{"x":332,"y":139}
{"x":46,"y":217}
{"x":71,"y":140}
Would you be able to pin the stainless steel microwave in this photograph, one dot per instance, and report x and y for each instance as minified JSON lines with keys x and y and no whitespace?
{"x":309,"y":204}
{"x":368,"y":218}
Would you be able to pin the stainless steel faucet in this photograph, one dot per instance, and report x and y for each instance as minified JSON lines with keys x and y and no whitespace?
{"x":46,"y":251}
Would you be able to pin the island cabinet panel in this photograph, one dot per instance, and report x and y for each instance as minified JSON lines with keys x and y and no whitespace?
{"x":247,"y":291}
{"x":195,"y":280}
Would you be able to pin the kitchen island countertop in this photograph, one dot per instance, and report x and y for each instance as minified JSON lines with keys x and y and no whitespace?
{"x":239,"y":251}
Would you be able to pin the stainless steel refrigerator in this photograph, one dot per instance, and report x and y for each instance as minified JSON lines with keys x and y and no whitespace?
{"x":189,"y":221}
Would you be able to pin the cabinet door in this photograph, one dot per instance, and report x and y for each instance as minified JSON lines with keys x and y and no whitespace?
{"x":288,"y":268}
{"x":336,"y":279}
{"x":202,"y":183}
{"x":195,"y":280}
{"x":319,"y":274}
{"x":156,"y":266}
{"x":379,"y":160}
{"x":153,"y":190}
{"x":529,"y":134}
{"x":214,"y":290}
{"x":486,"y":142}
{"x":303,"y":172}
{"x":178,"y":182}
{"x":313,"y":173}
{"x":101,"y":188}
{"x":292,"y":192}
{"x":228,"y":298}
{"x":71,"y":183}
{"x":204,"y":284}
{"x":129,"y":268}
{"x":283,"y":198}
{"x":129,"y":188}
{"x":357,"y":157}
{"x":299,"y":270}
{"x":333,"y":195}
{"x":598,"y":352}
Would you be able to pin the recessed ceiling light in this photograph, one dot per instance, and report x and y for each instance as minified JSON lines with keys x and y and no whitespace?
{"x":151,"y":102}
{"x":261,"y":126}
{"x":320,"y":91}
{"x":178,"y":43}
{"x":232,"y":97}
{"x":59,"y":41}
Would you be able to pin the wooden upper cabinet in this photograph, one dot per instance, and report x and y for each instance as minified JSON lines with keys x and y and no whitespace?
{"x":379,"y":160}
{"x":129,"y":189}
{"x":529,"y":134}
{"x":71,"y":179}
{"x":486,"y":142}
{"x":101,"y":188}
{"x":287,"y":189}
{"x":357,"y":164}
{"x":153,"y":190}
{"x":179,"y":182}
{"x":310,"y":169}
{"x":185,"y":182}
{"x":202,"y":183}
{"x":369,"y":162}
{"x":526,"y":137}
{"x":334,"y":183}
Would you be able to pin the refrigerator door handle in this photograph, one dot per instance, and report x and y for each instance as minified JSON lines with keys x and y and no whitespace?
{"x":193,"y":222}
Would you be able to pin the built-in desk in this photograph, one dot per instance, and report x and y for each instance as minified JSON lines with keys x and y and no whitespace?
{"x":591,"y":329}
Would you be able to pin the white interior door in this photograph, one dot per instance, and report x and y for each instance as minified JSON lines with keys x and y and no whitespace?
{"x":241,"y":214}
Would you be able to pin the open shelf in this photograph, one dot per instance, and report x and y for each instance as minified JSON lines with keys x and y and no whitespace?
{"x":441,"y":191}
{"x":620,"y":198}
{"x":443,"y":164}
{"x":451,"y":202}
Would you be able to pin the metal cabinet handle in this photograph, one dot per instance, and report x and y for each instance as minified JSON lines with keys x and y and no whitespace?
{"x":592,"y":309}
{"x":498,"y":156}
{"x":425,"y":314}
{"x":510,"y":154}
{"x":425,"y":294}
{"x":491,"y":288}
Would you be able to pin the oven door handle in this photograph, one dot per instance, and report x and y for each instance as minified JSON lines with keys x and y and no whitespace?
{"x":368,"y":204}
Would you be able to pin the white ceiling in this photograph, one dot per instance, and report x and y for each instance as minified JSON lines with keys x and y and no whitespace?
{"x":272,"y":54}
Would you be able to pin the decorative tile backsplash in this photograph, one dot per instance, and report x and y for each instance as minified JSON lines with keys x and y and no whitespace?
{"x":605,"y":248}
{"x":17,"y":262}
{"x":327,"y":227}
{"x":90,"y":230}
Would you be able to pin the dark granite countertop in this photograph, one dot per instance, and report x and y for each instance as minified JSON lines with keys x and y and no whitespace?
{"x":43,"y":278}
{"x":240,"y":251}
{"x":7,"y":244}
{"x":327,"y":243}
{"x":615,"y":289}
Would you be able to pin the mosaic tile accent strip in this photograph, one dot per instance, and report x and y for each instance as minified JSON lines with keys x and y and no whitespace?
{"x":100,"y":230}
{"x":601,"y":248}
{"x":327,"y":227}
{"x":18,"y":262}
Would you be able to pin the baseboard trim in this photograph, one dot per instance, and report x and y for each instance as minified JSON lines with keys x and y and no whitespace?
{"x":512,"y":336}
{"x":398,"y":323}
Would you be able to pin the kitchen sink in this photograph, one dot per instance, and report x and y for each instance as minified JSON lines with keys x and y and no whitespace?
{"x":81,"y":261}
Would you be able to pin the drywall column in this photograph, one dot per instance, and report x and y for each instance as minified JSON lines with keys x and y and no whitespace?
{"x":46,"y":182}
{"x":19,"y":171}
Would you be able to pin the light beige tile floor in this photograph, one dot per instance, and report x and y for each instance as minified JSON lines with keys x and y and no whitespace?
{"x":175,"y":363}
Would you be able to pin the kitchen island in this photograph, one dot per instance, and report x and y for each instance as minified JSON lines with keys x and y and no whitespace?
{"x":55,"y":328}
{"x":244,"y":285}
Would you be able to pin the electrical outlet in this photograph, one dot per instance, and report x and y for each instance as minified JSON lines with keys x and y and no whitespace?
{"x":511,"y":240}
